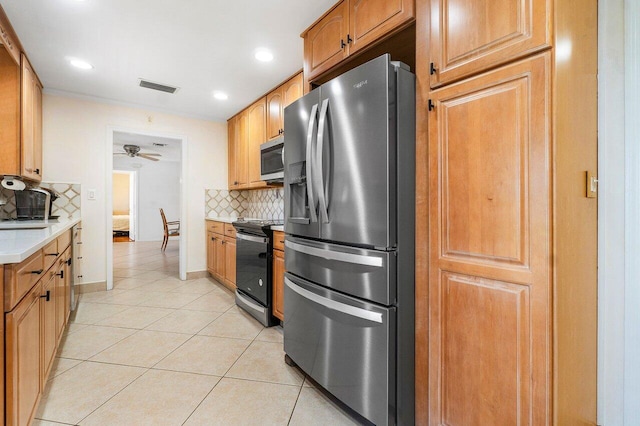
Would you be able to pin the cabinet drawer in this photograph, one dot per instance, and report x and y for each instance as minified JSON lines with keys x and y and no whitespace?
{"x":217,"y":227}
{"x":49,"y":254}
{"x":64,"y":240}
{"x":20,"y":278}
{"x":229,"y":230}
{"x":278,"y":240}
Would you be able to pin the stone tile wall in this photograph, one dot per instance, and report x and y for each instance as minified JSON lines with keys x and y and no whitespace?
{"x":68,"y":205}
{"x":262,"y":204}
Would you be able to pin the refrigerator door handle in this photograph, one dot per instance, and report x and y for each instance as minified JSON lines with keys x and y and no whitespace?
{"x":333,"y":305}
{"x":322,"y":187}
{"x":310,"y":165}
{"x":335,"y":255}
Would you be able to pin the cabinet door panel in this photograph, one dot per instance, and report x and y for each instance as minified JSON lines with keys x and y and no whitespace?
{"x":50,"y":322}
{"x":232,"y":158}
{"x":23,"y":369}
{"x":274,"y":113}
{"x":28,"y":166}
{"x":372,"y":19}
{"x":256,"y":117}
{"x":211,"y":247}
{"x":278,"y":284}
{"x":489,"y":280}
{"x":219,"y":260}
{"x":291,"y":91}
{"x":230,"y":262}
{"x":322,"y":43}
{"x":468,"y":36}
{"x":242,"y":151}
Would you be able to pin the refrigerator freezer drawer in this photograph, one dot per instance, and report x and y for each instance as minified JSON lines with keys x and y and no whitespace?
{"x":345,"y":345}
{"x":368,"y":274}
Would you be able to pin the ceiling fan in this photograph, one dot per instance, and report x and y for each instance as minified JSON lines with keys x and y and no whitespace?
{"x":134,"y":151}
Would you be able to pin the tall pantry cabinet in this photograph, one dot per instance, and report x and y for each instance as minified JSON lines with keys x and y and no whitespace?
{"x":506,"y":290}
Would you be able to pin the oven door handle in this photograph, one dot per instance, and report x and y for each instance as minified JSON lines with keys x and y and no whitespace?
{"x":333,"y":305}
{"x":251,"y":238}
{"x":335,"y":255}
{"x":249,"y":303}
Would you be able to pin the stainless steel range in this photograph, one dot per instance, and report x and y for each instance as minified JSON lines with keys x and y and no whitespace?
{"x":254,"y":268}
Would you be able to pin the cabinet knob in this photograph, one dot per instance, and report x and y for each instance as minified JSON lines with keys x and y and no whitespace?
{"x":52,"y":254}
{"x":37,"y":271}
{"x":60,"y":274}
{"x":349,"y":39}
{"x":46,"y":296}
{"x":342,"y":44}
{"x":37,"y":171}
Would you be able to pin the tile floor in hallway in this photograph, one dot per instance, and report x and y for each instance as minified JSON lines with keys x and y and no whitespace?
{"x":160,"y":351}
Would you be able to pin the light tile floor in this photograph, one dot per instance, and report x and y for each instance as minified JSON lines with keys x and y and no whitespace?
{"x":160,"y":351}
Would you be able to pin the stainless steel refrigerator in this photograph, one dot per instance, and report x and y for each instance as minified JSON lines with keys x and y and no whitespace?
{"x":349,"y":155}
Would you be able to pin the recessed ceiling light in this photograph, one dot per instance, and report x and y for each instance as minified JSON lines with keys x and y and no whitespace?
{"x":263,"y":55}
{"x":221,"y":96}
{"x":79,"y":63}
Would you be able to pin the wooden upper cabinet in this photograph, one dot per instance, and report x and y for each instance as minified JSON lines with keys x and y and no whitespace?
{"x":274,"y":114}
{"x":325,"y":43}
{"x":469,"y":36}
{"x":232,"y":155}
{"x":31,"y":135}
{"x":242,"y":150}
{"x":256,"y":119}
{"x":292,"y":90}
{"x":277,"y":100}
{"x":370,"y":20}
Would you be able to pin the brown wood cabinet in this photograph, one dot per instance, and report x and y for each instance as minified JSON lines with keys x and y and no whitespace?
{"x":20,"y":109}
{"x":349,"y":27}
{"x":221,"y":253}
{"x":506,"y":249}
{"x":50,"y":322}
{"x":257,"y":134}
{"x":23,"y":370}
{"x":277,"y":100}
{"x":470,"y":36}
{"x":31,"y":129}
{"x":278,"y":284}
{"x":238,"y":151}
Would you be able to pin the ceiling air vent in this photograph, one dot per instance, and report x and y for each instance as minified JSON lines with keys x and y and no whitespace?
{"x":157,"y":86}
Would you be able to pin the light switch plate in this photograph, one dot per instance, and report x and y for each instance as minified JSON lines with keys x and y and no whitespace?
{"x":592,"y":184}
{"x":91,"y":194}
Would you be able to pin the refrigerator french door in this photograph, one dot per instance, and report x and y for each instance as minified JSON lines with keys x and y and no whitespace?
{"x":349,"y":150}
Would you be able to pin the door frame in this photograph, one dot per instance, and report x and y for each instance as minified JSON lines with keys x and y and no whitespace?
{"x":184,"y":225}
{"x":618,"y":212}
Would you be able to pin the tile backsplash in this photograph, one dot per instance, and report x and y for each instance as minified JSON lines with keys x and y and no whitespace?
{"x":68,"y":205}
{"x":262,"y":204}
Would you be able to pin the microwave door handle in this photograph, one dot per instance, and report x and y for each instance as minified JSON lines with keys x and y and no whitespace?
{"x":310,"y":165}
{"x":321,"y":184}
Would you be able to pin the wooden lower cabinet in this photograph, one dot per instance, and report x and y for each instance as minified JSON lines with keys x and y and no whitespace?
{"x":230,"y":262}
{"x":33,"y":328}
{"x":221,"y":253}
{"x":23,"y":359}
{"x":50,"y":321}
{"x":278,"y":284}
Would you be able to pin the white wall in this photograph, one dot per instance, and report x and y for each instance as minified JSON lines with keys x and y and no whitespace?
{"x":158,"y":187}
{"x":75,"y":150}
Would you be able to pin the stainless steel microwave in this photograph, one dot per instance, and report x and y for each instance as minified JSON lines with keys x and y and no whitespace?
{"x":272,"y":160}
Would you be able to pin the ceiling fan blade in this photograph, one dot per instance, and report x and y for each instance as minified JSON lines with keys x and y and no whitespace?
{"x":120,"y":153}
{"x":155,"y":155}
{"x":147,"y":157}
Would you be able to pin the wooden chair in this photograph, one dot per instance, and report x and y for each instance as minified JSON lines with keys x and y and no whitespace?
{"x":170,"y":229}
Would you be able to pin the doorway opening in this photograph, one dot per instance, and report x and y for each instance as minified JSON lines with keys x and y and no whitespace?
{"x":145,"y":175}
{"x":124,"y":206}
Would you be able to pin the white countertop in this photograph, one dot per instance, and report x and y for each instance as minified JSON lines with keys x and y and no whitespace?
{"x":277,"y":228}
{"x":18,"y":244}
{"x":225,"y":219}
